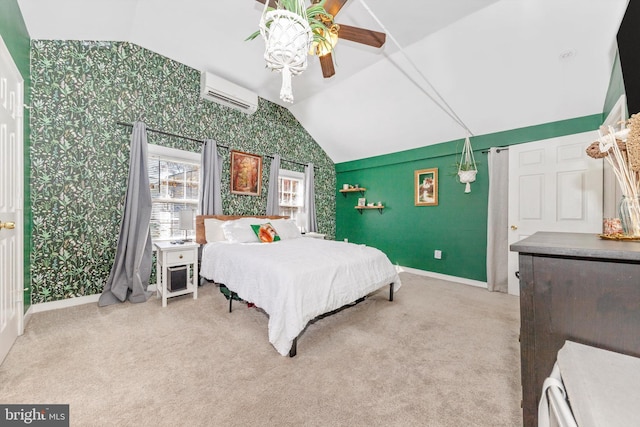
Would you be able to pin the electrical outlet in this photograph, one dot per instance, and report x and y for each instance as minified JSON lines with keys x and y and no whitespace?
{"x":437,"y":254}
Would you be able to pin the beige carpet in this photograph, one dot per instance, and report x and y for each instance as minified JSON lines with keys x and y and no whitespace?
{"x":441,"y":354}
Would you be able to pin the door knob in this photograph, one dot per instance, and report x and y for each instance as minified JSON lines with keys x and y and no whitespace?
{"x":514,"y":227}
{"x":7,"y":225}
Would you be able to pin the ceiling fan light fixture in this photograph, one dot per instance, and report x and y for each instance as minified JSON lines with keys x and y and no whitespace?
{"x":326,"y":41}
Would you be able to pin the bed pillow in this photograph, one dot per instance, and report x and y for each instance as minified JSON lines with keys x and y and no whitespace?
{"x":239,"y":230}
{"x":266,"y":232}
{"x":213,"y":230}
{"x":286,"y":229}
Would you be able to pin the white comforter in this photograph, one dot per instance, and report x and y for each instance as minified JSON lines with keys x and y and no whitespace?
{"x":298,"y":279}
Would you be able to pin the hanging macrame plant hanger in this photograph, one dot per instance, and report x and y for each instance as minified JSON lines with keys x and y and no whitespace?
{"x":287,"y":38}
{"x":467,"y":168}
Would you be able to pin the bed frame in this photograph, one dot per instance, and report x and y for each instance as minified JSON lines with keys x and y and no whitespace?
{"x":294,"y":346}
{"x":201,"y":239}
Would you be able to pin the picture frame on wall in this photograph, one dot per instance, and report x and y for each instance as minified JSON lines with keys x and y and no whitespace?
{"x":246,"y":173}
{"x":426,"y":187}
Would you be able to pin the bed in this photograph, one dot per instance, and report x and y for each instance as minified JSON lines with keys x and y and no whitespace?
{"x":294,"y":279}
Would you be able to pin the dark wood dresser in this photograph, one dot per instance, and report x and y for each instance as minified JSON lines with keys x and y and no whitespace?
{"x":575,"y":287}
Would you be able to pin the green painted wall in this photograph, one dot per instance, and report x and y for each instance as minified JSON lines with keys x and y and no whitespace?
{"x":16,"y":37}
{"x":409,"y":234}
{"x":80,"y":155}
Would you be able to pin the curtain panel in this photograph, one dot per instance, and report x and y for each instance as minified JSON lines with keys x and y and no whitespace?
{"x":310,"y":198}
{"x":131,"y":270}
{"x":273,"y":201}
{"x":497,"y":220}
{"x":210,"y":179}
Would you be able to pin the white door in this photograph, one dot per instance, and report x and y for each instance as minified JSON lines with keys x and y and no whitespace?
{"x":11,"y":202}
{"x":553,"y":186}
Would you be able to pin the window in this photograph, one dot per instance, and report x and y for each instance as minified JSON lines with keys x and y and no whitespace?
{"x":174,"y":177}
{"x":291,"y":195}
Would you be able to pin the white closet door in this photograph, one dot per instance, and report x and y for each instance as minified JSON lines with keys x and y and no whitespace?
{"x":553,"y":186}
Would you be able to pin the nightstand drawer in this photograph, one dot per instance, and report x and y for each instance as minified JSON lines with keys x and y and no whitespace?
{"x":186,"y":256}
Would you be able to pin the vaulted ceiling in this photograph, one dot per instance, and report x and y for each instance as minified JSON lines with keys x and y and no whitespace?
{"x":494,"y":65}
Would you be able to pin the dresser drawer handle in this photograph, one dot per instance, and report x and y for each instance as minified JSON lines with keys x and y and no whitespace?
{"x":180,"y":257}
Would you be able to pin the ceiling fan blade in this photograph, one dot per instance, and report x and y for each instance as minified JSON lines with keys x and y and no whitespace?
{"x":326,"y":62}
{"x":361,"y":35}
{"x":334,"y":6}
{"x":272,"y":3}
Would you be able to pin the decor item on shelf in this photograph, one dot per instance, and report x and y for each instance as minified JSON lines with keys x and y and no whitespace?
{"x":352,"y":189}
{"x":362,"y":201}
{"x":345,"y":186}
{"x":467,"y":168}
{"x":629,"y":210}
{"x":611,"y":226}
{"x":621,"y":149}
{"x":426,"y":187}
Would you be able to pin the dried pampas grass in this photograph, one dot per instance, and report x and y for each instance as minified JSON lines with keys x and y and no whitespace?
{"x":633,"y":143}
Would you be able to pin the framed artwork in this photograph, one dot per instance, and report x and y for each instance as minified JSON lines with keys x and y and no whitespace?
{"x":426,"y":187}
{"x":246,"y":173}
{"x":361,"y":201}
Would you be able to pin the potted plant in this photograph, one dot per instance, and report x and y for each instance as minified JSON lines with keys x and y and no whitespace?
{"x":467,"y":168}
{"x":319,"y":20}
{"x":290,"y":31}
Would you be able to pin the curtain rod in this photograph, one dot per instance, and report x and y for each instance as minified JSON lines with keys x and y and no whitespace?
{"x":201,"y":141}
{"x":497,"y":150}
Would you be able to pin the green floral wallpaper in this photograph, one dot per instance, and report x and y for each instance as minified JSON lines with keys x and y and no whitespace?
{"x":80,"y":89}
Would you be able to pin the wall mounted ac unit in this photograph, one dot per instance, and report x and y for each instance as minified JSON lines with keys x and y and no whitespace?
{"x":221,"y":91}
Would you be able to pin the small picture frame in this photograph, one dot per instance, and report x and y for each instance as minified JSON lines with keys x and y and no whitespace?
{"x":362,"y":201}
{"x":426,"y":187}
{"x":246,"y":173}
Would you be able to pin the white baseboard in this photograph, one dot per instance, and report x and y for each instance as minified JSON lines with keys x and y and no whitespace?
{"x":69,"y":302}
{"x":456,"y":279}
{"x":92,"y":299}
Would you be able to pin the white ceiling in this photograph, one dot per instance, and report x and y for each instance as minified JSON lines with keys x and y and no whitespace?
{"x":498,"y":64}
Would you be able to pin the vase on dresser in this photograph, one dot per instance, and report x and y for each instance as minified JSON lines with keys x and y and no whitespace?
{"x":630,"y":215}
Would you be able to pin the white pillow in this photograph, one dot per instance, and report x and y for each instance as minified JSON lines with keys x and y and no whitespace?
{"x":286,"y":228}
{"x":240,"y":231}
{"x":213,"y":230}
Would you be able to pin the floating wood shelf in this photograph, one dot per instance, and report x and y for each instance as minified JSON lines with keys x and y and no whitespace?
{"x":360,"y":190}
{"x":362,"y":208}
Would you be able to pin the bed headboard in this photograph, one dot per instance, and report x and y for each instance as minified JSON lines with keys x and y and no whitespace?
{"x":200,"y":234}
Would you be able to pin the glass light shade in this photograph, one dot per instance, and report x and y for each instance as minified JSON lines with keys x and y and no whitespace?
{"x":324,"y":47}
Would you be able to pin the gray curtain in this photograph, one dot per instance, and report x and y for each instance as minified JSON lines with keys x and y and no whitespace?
{"x":129,"y":277}
{"x":273,"y":202}
{"x":498,"y":220}
{"x":210,"y":177}
{"x":310,"y":198}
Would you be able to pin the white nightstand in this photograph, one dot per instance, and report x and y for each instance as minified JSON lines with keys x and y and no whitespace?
{"x":174,"y":255}
{"x":314,"y":235}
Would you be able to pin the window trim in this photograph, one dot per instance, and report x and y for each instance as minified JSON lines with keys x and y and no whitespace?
{"x":173,"y":154}
{"x":302,"y":208}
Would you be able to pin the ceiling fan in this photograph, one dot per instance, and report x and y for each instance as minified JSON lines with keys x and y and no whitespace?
{"x":346,"y":32}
